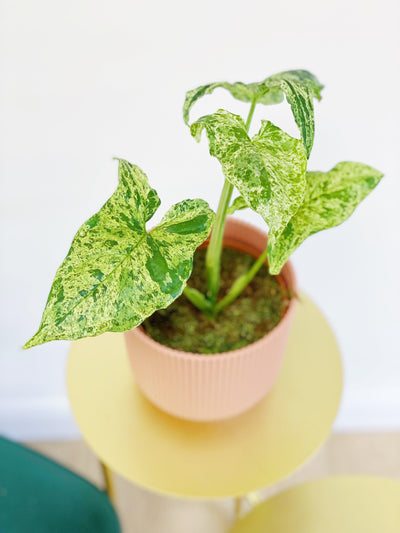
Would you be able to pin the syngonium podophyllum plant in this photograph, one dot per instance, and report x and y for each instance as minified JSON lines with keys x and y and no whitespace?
{"x":117,"y":273}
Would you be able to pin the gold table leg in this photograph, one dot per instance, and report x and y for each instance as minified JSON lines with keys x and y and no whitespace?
{"x":109,"y":482}
{"x":238,"y":507}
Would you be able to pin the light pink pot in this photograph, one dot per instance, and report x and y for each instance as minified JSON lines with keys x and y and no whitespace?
{"x":217,"y":386}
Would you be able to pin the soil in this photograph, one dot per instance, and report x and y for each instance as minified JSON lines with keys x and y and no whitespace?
{"x":256,"y":311}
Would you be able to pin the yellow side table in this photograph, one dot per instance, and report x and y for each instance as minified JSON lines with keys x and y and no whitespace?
{"x":331,"y":505}
{"x":208,"y":460}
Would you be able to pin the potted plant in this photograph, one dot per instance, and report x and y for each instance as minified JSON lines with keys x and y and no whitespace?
{"x":211,"y":344}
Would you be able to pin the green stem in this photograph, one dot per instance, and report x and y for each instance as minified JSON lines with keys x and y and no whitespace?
{"x":240,"y":284}
{"x":214,"y":249}
{"x":250,"y":115}
{"x":198,"y":299}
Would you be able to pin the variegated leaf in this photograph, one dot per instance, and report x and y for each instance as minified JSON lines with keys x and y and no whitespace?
{"x":331,"y":197}
{"x":299,"y":86}
{"x":116,"y":273}
{"x":241,"y":91}
{"x":268,"y":170}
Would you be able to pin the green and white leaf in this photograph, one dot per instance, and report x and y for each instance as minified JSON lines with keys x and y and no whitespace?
{"x":303,"y":77}
{"x":116,"y":273}
{"x":330,"y":198}
{"x":299,"y":86}
{"x":237,"y":205}
{"x":268,"y":170}
{"x":241,"y":91}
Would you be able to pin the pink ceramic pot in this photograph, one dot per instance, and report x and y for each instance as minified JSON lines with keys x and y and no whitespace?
{"x":217,"y":386}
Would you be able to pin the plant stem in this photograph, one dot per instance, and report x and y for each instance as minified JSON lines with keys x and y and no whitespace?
{"x":198,"y":299}
{"x":240,"y":284}
{"x":250,"y":115}
{"x":214,"y":249}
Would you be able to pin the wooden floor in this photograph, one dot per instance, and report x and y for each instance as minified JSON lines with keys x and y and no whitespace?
{"x":141,"y":511}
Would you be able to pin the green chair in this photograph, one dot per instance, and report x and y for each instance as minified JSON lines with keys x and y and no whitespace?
{"x":40,"y":496}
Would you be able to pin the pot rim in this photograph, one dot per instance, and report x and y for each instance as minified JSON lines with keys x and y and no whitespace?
{"x":287,"y":272}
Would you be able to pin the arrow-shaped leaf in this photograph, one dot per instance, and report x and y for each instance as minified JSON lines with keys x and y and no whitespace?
{"x":116,"y":274}
{"x":330,"y":198}
{"x":299,"y":86}
{"x":241,"y":91}
{"x":268,"y":170}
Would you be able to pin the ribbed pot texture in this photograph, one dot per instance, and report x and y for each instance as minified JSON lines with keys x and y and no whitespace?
{"x":216,"y":386}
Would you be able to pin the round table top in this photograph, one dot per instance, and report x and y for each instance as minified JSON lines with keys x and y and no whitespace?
{"x":208,"y":460}
{"x":331,"y":505}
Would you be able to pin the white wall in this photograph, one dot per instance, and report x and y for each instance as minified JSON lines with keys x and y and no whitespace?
{"x":84,"y":81}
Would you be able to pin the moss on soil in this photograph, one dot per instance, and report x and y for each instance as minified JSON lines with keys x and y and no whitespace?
{"x":252,"y":315}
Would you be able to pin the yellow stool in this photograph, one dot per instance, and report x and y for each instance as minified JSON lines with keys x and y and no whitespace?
{"x":331,"y":505}
{"x":208,"y":460}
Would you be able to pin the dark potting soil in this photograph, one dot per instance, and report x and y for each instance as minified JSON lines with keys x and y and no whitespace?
{"x":252,"y":315}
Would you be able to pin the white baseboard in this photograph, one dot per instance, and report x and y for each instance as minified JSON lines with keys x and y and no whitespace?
{"x":38,"y":419}
{"x":375,"y":415}
{"x":47,"y":419}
